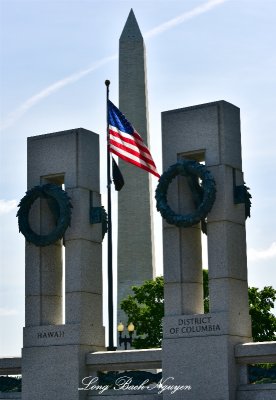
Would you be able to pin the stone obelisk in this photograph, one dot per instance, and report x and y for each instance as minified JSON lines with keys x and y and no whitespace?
{"x":135,"y":225}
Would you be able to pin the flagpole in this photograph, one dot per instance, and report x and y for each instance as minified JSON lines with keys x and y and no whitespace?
{"x":110,"y":346}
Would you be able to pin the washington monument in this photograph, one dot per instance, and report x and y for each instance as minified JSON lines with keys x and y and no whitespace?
{"x":135,"y":225}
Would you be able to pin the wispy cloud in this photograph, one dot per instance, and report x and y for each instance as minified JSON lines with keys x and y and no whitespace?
{"x":203,"y":8}
{"x":7,"y":206}
{"x":262,"y":254}
{"x":32,"y":101}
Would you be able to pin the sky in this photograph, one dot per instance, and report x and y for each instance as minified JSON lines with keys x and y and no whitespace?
{"x":55,"y":56}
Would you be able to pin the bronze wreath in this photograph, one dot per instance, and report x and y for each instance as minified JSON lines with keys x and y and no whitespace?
{"x":60,"y":205}
{"x":204,"y":195}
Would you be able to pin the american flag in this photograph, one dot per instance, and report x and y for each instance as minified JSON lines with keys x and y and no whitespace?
{"x":126,"y":143}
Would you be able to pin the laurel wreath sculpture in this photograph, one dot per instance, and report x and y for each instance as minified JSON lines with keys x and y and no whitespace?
{"x":60,"y":205}
{"x":204,"y":195}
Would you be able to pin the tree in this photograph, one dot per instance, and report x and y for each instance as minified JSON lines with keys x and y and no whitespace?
{"x":205,"y":290}
{"x":145,"y":309}
{"x":10,"y":384}
{"x":263,"y":321}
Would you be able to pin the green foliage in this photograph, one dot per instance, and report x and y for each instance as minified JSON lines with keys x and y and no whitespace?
{"x":145,"y":310}
{"x":10,"y":384}
{"x":263,"y":321}
{"x":262,"y":373}
{"x":205,"y":290}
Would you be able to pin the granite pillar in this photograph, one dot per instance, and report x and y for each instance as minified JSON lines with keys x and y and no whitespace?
{"x":198,"y":349}
{"x":53,"y":355}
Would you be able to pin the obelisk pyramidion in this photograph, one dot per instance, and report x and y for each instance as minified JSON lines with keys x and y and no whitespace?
{"x":135,"y":224}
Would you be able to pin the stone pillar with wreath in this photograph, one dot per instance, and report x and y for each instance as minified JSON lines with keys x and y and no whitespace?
{"x":202,"y":188}
{"x":61,"y":216}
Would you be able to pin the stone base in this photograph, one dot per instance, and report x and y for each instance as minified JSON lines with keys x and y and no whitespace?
{"x":199,"y":351}
{"x":257,"y":392}
{"x":207,"y":364}
{"x":54,"y":360}
{"x":53,"y":372}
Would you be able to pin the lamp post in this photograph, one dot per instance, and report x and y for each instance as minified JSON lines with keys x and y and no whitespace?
{"x":125,"y":339}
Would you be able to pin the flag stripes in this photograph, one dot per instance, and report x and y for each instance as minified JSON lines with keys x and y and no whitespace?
{"x":126,"y":138}
{"x":131,"y":148}
{"x":131,"y":155}
{"x":126,"y":143}
{"x":134,"y":162}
